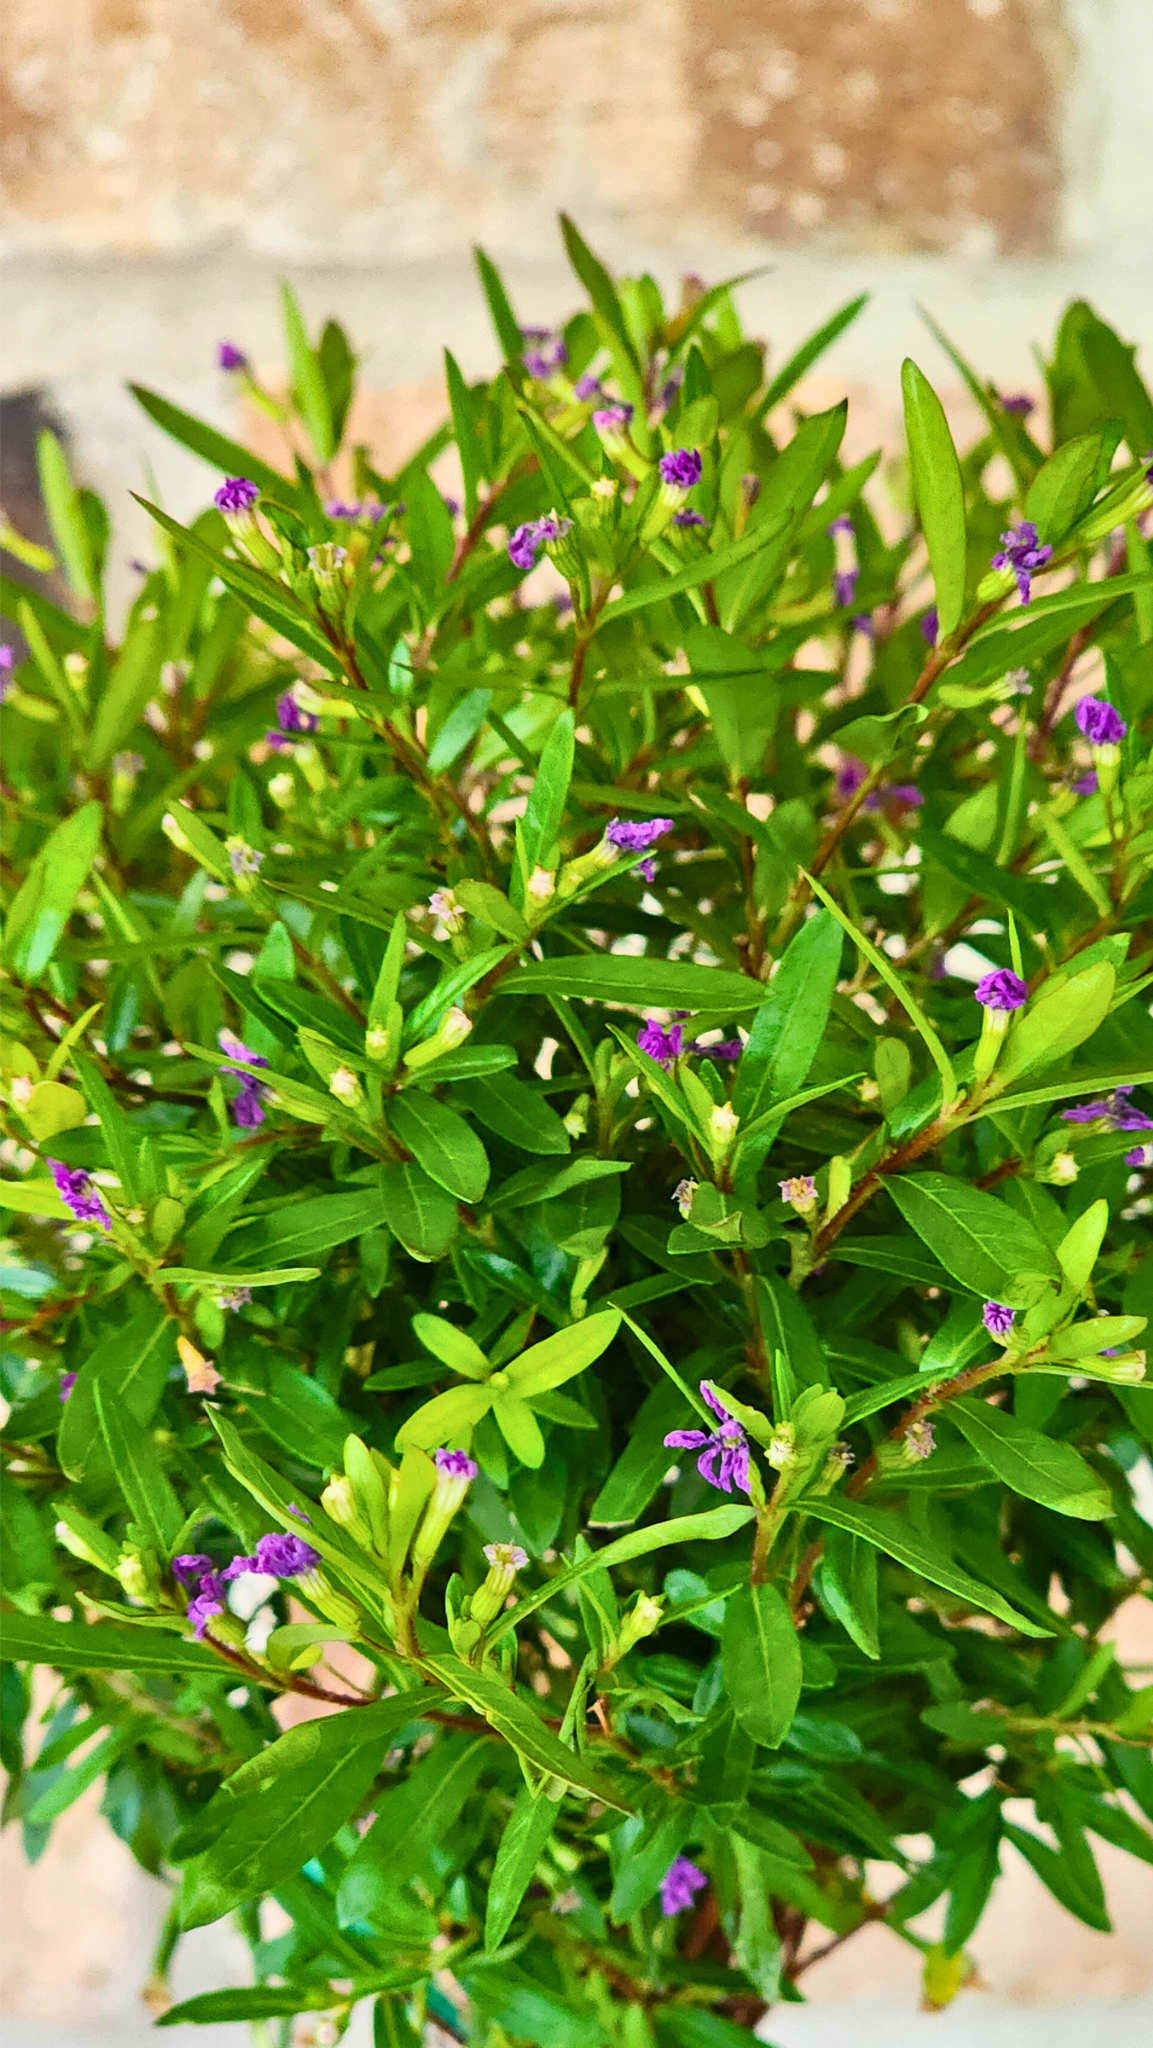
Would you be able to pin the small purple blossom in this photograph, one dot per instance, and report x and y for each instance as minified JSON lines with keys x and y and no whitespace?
{"x":244,"y":860}
{"x":246,"y":1107}
{"x":901,"y":793}
{"x":290,"y":717}
{"x":845,"y":586}
{"x":456,"y":1465}
{"x":336,"y":508}
{"x":283,"y":1556}
{"x":1086,"y":785}
{"x":662,"y":1046}
{"x":687,"y":517}
{"x":587,"y":387}
{"x":862,"y":622}
{"x":1021,"y":552}
{"x":1141,"y":1155}
{"x":236,"y":494}
{"x":841,"y":524}
{"x":1114,"y":1110}
{"x":1101,"y":724}
{"x":998,"y":1319}
{"x":209,"y":1601}
{"x":189,"y":1566}
{"x":724,"y":1452}
{"x":681,"y":468}
{"x":1019,"y":404}
{"x":646,"y":868}
{"x":1001,"y":990}
{"x":528,"y":539}
{"x":67,"y":1382}
{"x":546,"y":352}
{"x":722,"y":1049}
{"x":680,"y":1885}
{"x":78,"y":1193}
{"x":930,"y":626}
{"x":292,"y":1509}
{"x":229,"y":357}
{"x":613,"y":420}
{"x":850,"y":776}
{"x":636,"y":835}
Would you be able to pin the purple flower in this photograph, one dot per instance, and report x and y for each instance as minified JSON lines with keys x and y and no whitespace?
{"x":1100,"y":723}
{"x":662,"y":1046}
{"x":724,"y":1452}
{"x":290,"y":717}
{"x":337,"y":509}
{"x":189,"y":1566}
{"x":244,"y":860}
{"x":1141,"y":1155}
{"x":587,"y":386}
{"x":636,"y":835}
{"x":681,"y":468}
{"x":77,"y":1192}
{"x":1086,"y":785}
{"x":613,"y":420}
{"x":646,"y":869}
{"x":902,"y":793}
{"x":1001,"y":990}
{"x":687,"y":517}
{"x":246,"y":1107}
{"x":1114,"y":1109}
{"x":7,"y":664}
{"x":546,"y":352}
{"x":209,"y":1601}
{"x":724,"y":1049}
{"x":841,"y":524}
{"x":845,"y":586}
{"x":67,"y":1382}
{"x":283,"y":1556}
{"x":930,"y":626}
{"x":862,"y":622}
{"x":850,"y":776}
{"x":679,"y":1886}
{"x":529,"y":538}
{"x":236,"y":494}
{"x":998,"y":1319}
{"x":1022,"y":553}
{"x":292,"y":1509}
{"x":457,"y":1464}
{"x":1019,"y":403}
{"x":229,"y":357}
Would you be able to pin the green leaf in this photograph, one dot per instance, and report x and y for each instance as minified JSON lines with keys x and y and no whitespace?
{"x":442,"y":1143}
{"x":303,"y":1230}
{"x":520,"y":1429}
{"x":309,"y":389}
{"x":445,"y":1418}
{"x":411,"y":1822}
{"x":418,"y":1212}
{"x":514,"y":1112}
{"x":455,"y":1348}
{"x":704,"y":570}
{"x":1058,"y":1021}
{"x":638,"y":1472}
{"x":899,"y":1540}
{"x":135,"y":1463}
{"x":131,"y":1364}
{"x":986,"y":1246}
{"x":939,"y":491}
{"x":44,"y":902}
{"x":74,"y":1646}
{"x":224,"y":455}
{"x":503,"y":318}
{"x":290,"y":1802}
{"x":33,"y":1198}
{"x":849,"y":1587}
{"x":710,"y":1526}
{"x":1063,"y":488}
{"x":519,"y":1850}
{"x":247,"y":2002}
{"x":1036,"y":1466}
{"x":790,"y":1025}
{"x":521,"y":1726}
{"x":541,"y":825}
{"x":637,"y":983}
{"x":559,"y":1357}
{"x":888,"y":974}
{"x":647,"y":1859}
{"x":61,"y":502}
{"x":803,"y":358}
{"x":761,"y":1658}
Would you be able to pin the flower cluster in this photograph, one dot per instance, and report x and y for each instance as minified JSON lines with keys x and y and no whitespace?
{"x":529,"y":538}
{"x":1102,"y":725}
{"x":277,"y":1556}
{"x":247,"y":1110}
{"x":545,"y":352}
{"x":668,"y":1046}
{"x":1114,"y":1111}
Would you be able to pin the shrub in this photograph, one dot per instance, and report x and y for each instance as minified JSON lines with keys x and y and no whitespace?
{"x":571,"y":1126}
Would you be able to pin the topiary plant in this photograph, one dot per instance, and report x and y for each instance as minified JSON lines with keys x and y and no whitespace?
{"x":576,"y":1180}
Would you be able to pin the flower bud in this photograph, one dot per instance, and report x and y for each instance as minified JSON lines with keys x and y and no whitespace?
{"x":722,"y":1129}
{"x":576,"y":1122}
{"x":643,"y":1619}
{"x":1062,"y":1171}
{"x":505,"y":1561}
{"x":452,"y":1031}
{"x":325,"y":562}
{"x":339,"y":1505}
{"x":344,"y":1084}
{"x":799,"y":1191}
{"x":132,"y":1575}
{"x":781,"y":1449}
{"x":541,"y":886}
{"x":683,"y":1196}
{"x":455,"y":1472}
{"x":282,"y":789}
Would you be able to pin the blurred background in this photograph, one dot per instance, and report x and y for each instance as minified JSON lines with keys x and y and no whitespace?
{"x":167,"y":161}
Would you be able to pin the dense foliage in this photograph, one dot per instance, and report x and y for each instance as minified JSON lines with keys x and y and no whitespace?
{"x":573,"y":1139}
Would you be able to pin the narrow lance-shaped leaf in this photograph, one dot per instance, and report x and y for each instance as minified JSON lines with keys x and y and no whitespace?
{"x":939,"y":491}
